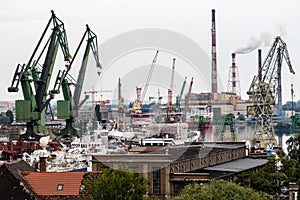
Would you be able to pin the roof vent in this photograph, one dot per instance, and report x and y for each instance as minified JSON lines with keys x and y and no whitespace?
{"x":60,"y":187}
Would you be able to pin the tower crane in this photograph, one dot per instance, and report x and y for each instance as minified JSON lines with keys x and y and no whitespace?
{"x":35,"y":79}
{"x":264,"y":90}
{"x":68,"y":108}
{"x":137,"y":105}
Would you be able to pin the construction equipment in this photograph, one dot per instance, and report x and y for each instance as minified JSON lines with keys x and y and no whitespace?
{"x":178,"y":98}
{"x":32,"y":109}
{"x":204,"y":124}
{"x":228,"y":120}
{"x":187,"y":101}
{"x":264,"y":89}
{"x":68,"y":108}
{"x":137,"y":105}
{"x":170,"y":91}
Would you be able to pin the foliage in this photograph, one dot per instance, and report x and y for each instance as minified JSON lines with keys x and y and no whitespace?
{"x":219,"y":189}
{"x":293,"y":147}
{"x":10,"y":115}
{"x":270,"y":179}
{"x":115,"y":184}
{"x":4,"y":119}
{"x":267,"y":180}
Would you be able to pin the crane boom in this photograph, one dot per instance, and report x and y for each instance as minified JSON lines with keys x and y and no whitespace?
{"x":68,"y":108}
{"x":32,"y":109}
{"x":265,"y":89}
{"x":178,"y":98}
{"x":149,"y":76}
{"x":187,"y":100}
{"x":170,"y":91}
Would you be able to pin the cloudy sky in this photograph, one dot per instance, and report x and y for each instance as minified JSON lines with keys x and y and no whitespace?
{"x":120,"y":23}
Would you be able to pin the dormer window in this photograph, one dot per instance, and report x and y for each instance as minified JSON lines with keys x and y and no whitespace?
{"x":60,"y":187}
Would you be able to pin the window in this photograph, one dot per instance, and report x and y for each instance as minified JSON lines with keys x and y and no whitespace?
{"x":60,"y":187}
{"x":177,"y":187}
{"x":156,"y":181}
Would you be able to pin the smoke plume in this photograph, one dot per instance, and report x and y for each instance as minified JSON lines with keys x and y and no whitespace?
{"x":265,"y":39}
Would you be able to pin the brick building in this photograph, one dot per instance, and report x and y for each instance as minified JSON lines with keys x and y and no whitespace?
{"x":169,"y":169}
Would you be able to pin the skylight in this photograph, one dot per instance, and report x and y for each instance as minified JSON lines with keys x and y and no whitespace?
{"x":60,"y":187}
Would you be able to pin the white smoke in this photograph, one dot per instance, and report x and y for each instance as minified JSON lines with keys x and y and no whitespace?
{"x":265,"y":39}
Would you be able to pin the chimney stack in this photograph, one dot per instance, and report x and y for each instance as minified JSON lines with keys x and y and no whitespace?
{"x":214,"y":86}
{"x":259,"y":65}
{"x":233,"y":73}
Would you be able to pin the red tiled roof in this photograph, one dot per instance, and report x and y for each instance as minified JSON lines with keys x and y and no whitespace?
{"x":45,"y":183}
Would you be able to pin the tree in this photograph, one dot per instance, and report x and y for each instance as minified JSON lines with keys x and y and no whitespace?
{"x":268,"y":179}
{"x":293,"y":147}
{"x":219,"y":189}
{"x":115,"y":184}
{"x":10,"y":114}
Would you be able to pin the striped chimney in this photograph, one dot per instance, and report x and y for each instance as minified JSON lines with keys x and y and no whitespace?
{"x":233,"y":73}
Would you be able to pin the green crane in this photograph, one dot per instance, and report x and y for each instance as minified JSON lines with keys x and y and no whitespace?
{"x":178,"y":98}
{"x":228,"y":120}
{"x":68,"y":108}
{"x":35,"y":79}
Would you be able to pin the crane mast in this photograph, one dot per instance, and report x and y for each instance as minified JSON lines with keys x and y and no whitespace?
{"x":264,"y":90}
{"x":32,"y":109}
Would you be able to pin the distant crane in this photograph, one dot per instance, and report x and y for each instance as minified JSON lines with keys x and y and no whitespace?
{"x":170,"y":91}
{"x":137,"y":105}
{"x":179,"y":97}
{"x":264,"y":90}
{"x":187,"y":101}
{"x":32,"y":109}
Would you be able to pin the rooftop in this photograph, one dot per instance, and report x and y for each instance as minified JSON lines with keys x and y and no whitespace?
{"x":238,"y":165}
{"x":54,"y":183}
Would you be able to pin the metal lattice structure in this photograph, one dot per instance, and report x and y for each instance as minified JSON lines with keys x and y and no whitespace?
{"x":264,"y":90}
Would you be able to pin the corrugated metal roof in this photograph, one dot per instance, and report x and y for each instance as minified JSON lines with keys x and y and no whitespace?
{"x":46,"y":183}
{"x":238,"y":165}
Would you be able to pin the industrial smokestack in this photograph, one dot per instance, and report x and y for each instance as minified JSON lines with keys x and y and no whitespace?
{"x":259,"y":65}
{"x":214,"y":86}
{"x":233,"y":73}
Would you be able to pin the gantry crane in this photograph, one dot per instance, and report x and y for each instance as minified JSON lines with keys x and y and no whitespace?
{"x":137,"y":105}
{"x":35,"y":79}
{"x":68,"y":108}
{"x":264,"y":90}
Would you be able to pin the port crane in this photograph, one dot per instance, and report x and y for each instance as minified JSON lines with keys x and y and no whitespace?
{"x":187,"y":101}
{"x":68,"y":108}
{"x":264,"y":90}
{"x":137,"y":105}
{"x":178,"y":98}
{"x":35,"y":78}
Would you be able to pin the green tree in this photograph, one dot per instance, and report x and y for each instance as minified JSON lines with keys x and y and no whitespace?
{"x":115,"y":184}
{"x":218,"y":190}
{"x":293,"y":147}
{"x":10,"y":114}
{"x":268,"y":179}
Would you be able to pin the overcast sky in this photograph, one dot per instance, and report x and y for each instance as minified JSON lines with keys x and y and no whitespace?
{"x":237,"y":24}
